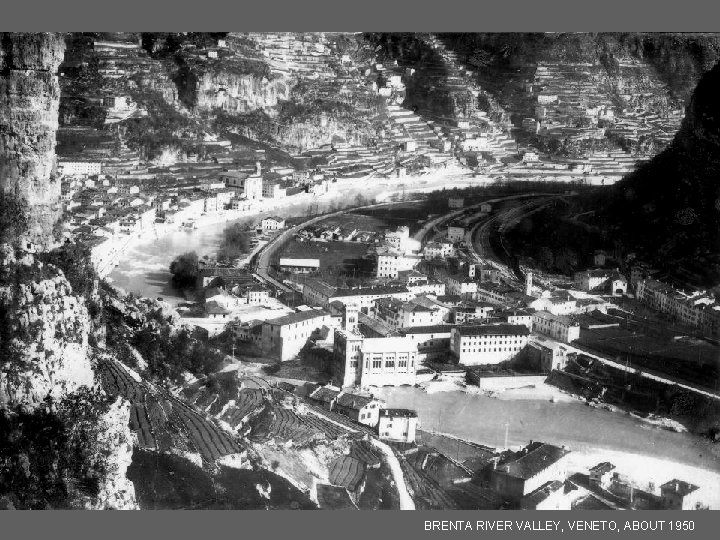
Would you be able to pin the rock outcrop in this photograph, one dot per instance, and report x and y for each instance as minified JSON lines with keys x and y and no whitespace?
{"x":29,"y":98}
{"x":239,"y":93}
{"x":45,"y":334}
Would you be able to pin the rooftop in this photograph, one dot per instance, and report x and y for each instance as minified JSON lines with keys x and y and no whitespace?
{"x":354,"y":401}
{"x":297,"y":317}
{"x":398,"y":413}
{"x":531,"y":460}
{"x":602,"y":468}
{"x":531,"y":500}
{"x":435,"y":329}
{"x":325,"y":394}
{"x":683,"y":488}
{"x":493,"y":330}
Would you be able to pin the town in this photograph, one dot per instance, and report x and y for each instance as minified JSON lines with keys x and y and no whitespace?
{"x":355,"y":293}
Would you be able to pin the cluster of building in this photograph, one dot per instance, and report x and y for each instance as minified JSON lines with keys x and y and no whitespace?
{"x":393,"y":425}
{"x":105,"y":211}
{"x":698,"y":309}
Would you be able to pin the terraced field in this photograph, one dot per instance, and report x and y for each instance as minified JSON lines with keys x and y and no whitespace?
{"x":367,"y":453}
{"x":424,"y":491}
{"x":161,"y":421}
{"x":347,"y":472}
{"x":280,"y":423}
{"x":249,"y":401}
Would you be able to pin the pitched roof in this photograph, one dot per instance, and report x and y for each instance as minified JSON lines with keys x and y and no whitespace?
{"x":324,"y":394}
{"x":398,"y":413}
{"x":683,"y":488}
{"x":531,"y":460}
{"x":354,"y":401}
{"x":297,"y":317}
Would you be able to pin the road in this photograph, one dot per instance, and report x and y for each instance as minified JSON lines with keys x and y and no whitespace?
{"x":643,"y":372}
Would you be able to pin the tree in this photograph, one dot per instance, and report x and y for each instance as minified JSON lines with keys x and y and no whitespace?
{"x":236,"y":241}
{"x":184,"y":270}
{"x":13,"y":218}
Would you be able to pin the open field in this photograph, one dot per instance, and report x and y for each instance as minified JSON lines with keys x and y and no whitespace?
{"x":344,"y":256}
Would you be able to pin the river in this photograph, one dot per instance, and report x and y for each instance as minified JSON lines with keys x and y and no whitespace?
{"x":482,"y":419}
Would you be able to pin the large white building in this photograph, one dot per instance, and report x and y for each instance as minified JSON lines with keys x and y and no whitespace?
{"x":398,"y":314}
{"x":79,"y":168}
{"x":560,"y":327}
{"x":487,"y":344}
{"x":380,"y":361}
{"x":285,"y":337}
{"x":397,"y":425}
{"x":391,"y":262}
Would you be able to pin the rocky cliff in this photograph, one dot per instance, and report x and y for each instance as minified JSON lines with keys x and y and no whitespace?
{"x":44,"y":335}
{"x":29,"y":94}
{"x":670,"y":208}
{"x":239,"y":93}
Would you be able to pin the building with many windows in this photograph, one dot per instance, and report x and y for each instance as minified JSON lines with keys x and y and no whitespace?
{"x":560,"y":327}
{"x":285,"y":337}
{"x":377,"y":361}
{"x":488,"y":343}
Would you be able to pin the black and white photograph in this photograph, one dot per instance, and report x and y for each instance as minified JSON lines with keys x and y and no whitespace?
{"x":359,"y":270}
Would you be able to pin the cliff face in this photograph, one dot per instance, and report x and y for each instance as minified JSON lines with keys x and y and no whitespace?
{"x":29,"y":97}
{"x":669,"y":209}
{"x":45,"y":333}
{"x":236,"y":93}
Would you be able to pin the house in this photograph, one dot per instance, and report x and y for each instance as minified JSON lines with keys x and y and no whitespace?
{"x":438,"y":250}
{"x":286,"y":336}
{"x":601,"y":474}
{"x":456,"y":202}
{"x":397,"y":425}
{"x":599,"y":258}
{"x":390,"y":262}
{"x":679,"y":495}
{"x":272,"y":223}
{"x":560,"y":327}
{"x":216,"y":311}
{"x":470,"y":311}
{"x":299,"y":266}
{"x":325,"y":396}
{"x":546,"y":356}
{"x":455,"y":233}
{"x":362,"y":409}
{"x":487,"y":344}
{"x":549,"y":496}
{"x":517,"y":474}
{"x":591,"y":280}
{"x":255,"y":295}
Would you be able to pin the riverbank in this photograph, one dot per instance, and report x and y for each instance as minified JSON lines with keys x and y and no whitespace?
{"x":143,"y":261}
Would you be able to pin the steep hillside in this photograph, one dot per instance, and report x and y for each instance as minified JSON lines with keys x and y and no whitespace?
{"x":670,"y":208}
